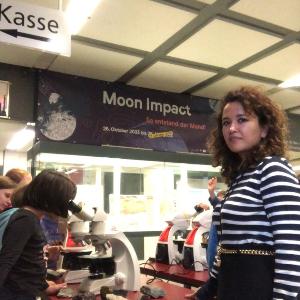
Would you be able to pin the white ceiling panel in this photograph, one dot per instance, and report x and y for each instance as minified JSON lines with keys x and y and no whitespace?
{"x":283,"y":13}
{"x":140,"y":24}
{"x":221,"y":43}
{"x":170,"y":77}
{"x":218,"y":89}
{"x":281,"y":65}
{"x":287,"y":98}
{"x":16,"y":55}
{"x":94,"y":63}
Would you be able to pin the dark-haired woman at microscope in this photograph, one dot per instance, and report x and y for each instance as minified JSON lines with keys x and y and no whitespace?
{"x":22,"y":263}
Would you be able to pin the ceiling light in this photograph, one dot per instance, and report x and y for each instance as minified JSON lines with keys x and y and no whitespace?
{"x":292,"y":82}
{"x":78,"y":13}
{"x":21,"y":139}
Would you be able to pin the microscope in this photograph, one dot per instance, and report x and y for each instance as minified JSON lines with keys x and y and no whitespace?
{"x":169,"y":248}
{"x":76,"y":245}
{"x":194,"y":249}
{"x":113,"y":263}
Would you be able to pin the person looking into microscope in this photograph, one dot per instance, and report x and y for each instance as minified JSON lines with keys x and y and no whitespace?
{"x":22,"y":264}
{"x":50,"y":227}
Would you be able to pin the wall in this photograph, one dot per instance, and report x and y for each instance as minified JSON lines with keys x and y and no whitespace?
{"x":22,"y":91}
{"x":13,"y":159}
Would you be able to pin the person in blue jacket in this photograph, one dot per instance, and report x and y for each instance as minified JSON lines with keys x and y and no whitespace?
{"x":213,"y":238}
{"x":214,"y":199}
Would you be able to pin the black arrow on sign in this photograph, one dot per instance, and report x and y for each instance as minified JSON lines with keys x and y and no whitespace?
{"x":15,"y":33}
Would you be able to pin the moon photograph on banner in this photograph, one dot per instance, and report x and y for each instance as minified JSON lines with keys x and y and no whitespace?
{"x":59,"y":124}
{"x":80,"y":110}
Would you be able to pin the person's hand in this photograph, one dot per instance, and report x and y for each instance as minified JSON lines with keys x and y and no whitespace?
{"x":54,"y":288}
{"x":53,"y":252}
{"x":204,"y":206}
{"x":212,"y":184}
{"x":191,"y":295}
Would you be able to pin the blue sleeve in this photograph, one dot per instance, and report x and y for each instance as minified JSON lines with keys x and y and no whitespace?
{"x":214,"y":201}
{"x":4,"y":219}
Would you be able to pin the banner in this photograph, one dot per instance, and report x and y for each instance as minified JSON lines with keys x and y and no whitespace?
{"x":86,"y":111}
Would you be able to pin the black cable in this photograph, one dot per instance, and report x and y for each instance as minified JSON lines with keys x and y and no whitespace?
{"x":181,"y":273}
{"x":176,"y":263}
{"x":155,"y":271}
{"x":196,"y":261}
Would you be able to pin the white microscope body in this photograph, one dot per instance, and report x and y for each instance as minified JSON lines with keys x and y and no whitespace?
{"x":112,"y":248}
{"x":78,"y":231}
{"x":166,"y":250}
{"x":194,"y":254}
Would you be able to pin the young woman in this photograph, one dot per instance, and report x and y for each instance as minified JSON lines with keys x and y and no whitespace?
{"x":22,"y":264}
{"x":6,"y":189}
{"x":258,"y":222}
{"x":50,"y":227}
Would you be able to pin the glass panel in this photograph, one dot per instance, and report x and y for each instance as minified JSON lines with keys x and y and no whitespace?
{"x":138,"y":195}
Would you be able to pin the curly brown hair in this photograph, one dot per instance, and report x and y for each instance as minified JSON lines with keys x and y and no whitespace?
{"x":269,"y":115}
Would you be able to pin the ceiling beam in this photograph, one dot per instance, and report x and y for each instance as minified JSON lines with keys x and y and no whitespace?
{"x":289,"y":39}
{"x":206,"y":15}
{"x":108,"y":46}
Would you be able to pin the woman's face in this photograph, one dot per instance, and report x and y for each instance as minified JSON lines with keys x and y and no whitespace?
{"x":241,"y":131}
{"x":5,"y":195}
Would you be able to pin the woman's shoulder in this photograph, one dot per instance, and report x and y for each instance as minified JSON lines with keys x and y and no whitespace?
{"x":24,"y":214}
{"x":275,"y":163}
{"x":274,"y":160}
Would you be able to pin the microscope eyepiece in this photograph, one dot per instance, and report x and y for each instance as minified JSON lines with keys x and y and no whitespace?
{"x":198,"y":209}
{"x":73,"y":207}
{"x":77,"y":210}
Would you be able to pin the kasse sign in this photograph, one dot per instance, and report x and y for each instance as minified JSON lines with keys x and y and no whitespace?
{"x":35,"y":27}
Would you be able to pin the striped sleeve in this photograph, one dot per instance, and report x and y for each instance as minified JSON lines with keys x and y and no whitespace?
{"x":280,"y":191}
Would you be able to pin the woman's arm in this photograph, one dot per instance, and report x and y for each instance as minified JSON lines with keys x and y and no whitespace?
{"x":16,"y":235}
{"x":205,"y":292}
{"x":281,"y":197}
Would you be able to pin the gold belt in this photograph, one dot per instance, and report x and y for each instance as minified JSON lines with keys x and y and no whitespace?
{"x":222,"y":250}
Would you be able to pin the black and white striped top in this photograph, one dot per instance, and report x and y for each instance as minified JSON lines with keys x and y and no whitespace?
{"x":263,"y":209}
